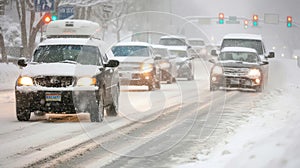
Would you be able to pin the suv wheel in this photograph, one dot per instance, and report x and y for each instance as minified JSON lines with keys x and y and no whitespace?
{"x":97,"y":110}
{"x":112,"y":109}
{"x":23,"y":114}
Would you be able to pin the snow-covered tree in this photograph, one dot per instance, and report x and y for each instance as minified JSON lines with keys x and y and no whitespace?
{"x":28,"y":37}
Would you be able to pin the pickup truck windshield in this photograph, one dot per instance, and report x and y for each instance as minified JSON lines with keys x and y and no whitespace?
{"x":86,"y":55}
{"x":239,"y":56}
{"x":254,"y":44}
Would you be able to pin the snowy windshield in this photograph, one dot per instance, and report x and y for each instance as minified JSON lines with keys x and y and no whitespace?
{"x":86,"y":55}
{"x":196,"y":43}
{"x":160,"y":51}
{"x":178,"y":53}
{"x":123,"y":51}
{"x":254,"y":44}
{"x":172,"y":42}
{"x":239,"y":56}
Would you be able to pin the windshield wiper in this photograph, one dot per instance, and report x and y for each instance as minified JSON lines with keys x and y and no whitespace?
{"x":69,"y":62}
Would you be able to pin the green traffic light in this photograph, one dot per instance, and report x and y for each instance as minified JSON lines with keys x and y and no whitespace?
{"x":289,"y":24}
{"x":54,"y":17}
{"x":255,"y":23}
{"x":221,"y":21}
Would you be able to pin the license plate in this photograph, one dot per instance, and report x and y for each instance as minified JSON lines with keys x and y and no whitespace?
{"x":53,"y":97}
{"x":235,"y":81}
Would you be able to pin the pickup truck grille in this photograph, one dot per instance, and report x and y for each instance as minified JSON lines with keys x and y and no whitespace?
{"x":235,"y":71}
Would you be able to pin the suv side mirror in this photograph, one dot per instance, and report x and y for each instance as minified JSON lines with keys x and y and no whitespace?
{"x":271,"y":55}
{"x":112,"y":63}
{"x":22,"y":62}
{"x":214,"y":53}
{"x":212,"y":61}
{"x":157,"y":57}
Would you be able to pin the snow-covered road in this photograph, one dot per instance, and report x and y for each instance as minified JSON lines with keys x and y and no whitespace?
{"x":182,"y":122}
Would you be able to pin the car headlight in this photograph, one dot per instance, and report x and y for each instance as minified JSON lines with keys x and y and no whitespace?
{"x":86,"y":81}
{"x":254,"y":73}
{"x":146,"y":67}
{"x":25,"y":81}
{"x":217,"y":70}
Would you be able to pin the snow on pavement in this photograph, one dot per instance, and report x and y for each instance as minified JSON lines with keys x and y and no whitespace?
{"x":270,"y":137}
{"x":8,"y":76}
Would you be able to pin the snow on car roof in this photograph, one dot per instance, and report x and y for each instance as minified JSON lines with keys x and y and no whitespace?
{"x":179,"y":48}
{"x":195,"y":39}
{"x":72,"y":41}
{"x":243,"y":36}
{"x":133,"y":44}
{"x":238,"y":49}
{"x":159,"y":46}
{"x":173,"y":36}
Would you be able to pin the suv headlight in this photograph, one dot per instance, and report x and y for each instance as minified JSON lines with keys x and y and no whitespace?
{"x":25,"y":81}
{"x":86,"y":81}
{"x":254,"y":73}
{"x":217,"y":70}
{"x":146,"y":67}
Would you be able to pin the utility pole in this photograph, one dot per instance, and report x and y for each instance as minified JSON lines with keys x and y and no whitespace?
{"x":2,"y":7}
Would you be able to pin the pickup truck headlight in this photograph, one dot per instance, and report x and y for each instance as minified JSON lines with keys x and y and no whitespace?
{"x":25,"y":81}
{"x":86,"y":81}
{"x":254,"y":73}
{"x":217,"y":70}
{"x":146,"y":67}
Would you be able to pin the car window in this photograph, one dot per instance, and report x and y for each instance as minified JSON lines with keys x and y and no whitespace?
{"x":141,"y":51}
{"x":196,"y":43}
{"x":179,"y":53}
{"x":239,"y":56}
{"x":254,"y":44}
{"x":172,"y":42}
{"x":160,"y":51}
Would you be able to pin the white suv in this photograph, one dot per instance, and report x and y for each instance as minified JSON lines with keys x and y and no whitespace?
{"x":69,"y":72}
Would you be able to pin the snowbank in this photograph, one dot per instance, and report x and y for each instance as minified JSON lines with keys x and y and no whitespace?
{"x":270,"y":138}
{"x":8,"y":76}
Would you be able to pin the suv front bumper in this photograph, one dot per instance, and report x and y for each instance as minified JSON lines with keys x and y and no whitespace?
{"x":67,"y":101}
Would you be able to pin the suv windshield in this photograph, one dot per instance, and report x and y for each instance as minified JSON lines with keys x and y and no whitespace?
{"x":161,"y":52}
{"x":196,"y":43}
{"x":86,"y":55}
{"x":254,"y":44}
{"x":178,"y":53}
{"x":239,"y":56}
{"x":123,"y":51}
{"x":172,"y":42}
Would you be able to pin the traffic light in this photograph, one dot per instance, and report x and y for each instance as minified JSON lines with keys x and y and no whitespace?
{"x":53,"y":16}
{"x":255,"y":20}
{"x":47,"y":18}
{"x":246,"y":22}
{"x":289,"y":20}
{"x":221,"y":18}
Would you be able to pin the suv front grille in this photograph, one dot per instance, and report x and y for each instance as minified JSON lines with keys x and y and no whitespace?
{"x":54,"y":81}
{"x":235,"y":71}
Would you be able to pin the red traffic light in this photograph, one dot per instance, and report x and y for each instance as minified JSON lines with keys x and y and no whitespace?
{"x":221,"y":15}
{"x":246,"y":22}
{"x":47,"y":18}
{"x":255,"y":17}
